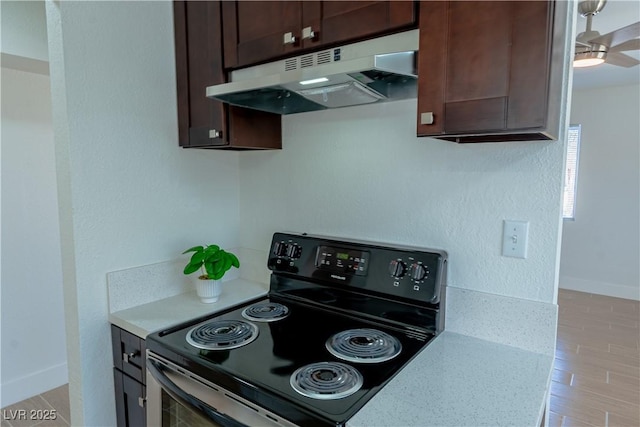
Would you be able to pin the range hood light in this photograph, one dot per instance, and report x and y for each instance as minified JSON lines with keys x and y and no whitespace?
{"x":312,"y":81}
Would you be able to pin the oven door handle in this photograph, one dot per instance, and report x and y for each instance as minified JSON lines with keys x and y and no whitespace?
{"x":188,"y":400}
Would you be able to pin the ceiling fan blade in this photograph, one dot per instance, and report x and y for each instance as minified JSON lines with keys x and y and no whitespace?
{"x":628,"y":45}
{"x":621,"y":60}
{"x":619,"y":36}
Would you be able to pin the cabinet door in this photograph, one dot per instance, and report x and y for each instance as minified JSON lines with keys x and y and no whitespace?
{"x":130,"y":401}
{"x":254,"y":31}
{"x":257,"y":31}
{"x":334,"y":22}
{"x":198,"y":41}
{"x":487,"y":68}
{"x":203,"y":122}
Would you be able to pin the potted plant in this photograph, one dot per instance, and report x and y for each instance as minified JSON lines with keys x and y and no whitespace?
{"x":213,"y":263}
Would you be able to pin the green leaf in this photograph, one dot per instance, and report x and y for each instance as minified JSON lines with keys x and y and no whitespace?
{"x":191,"y":268}
{"x":214,"y":258}
{"x":217,"y":267}
{"x":197,"y":258}
{"x":218,"y":276}
{"x":208,"y":266}
{"x":234,"y":260}
{"x":227,"y":263}
{"x":212,"y":249}
{"x":194,"y":249}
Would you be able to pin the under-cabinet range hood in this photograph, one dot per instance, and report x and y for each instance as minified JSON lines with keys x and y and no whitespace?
{"x":378,"y":70}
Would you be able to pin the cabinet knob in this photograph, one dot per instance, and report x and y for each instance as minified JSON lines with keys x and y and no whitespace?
{"x":289,"y":38}
{"x":308,"y":33}
{"x":213,"y":133}
{"x":127,"y":356}
{"x":426,"y":118}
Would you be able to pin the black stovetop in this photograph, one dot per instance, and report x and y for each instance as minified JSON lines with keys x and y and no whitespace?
{"x":260,"y":371}
{"x":329,"y":286}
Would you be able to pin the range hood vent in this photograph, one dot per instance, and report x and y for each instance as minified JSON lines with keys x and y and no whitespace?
{"x":377,"y":70}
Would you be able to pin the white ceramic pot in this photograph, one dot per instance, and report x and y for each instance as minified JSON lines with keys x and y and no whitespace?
{"x":208,"y":290}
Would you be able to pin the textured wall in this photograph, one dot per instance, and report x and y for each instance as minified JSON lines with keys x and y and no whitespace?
{"x":24,"y":29}
{"x":601,"y":248}
{"x":32,"y":310}
{"x":128,"y":195}
{"x":361,"y":172}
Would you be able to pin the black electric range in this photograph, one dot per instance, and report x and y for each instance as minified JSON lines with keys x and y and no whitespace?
{"x":340,"y":320}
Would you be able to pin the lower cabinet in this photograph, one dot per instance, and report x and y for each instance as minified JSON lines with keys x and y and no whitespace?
{"x":130,"y":400}
{"x":129,"y":378}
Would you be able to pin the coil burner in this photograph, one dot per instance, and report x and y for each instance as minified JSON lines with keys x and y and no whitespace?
{"x":326,"y":380}
{"x":363,"y":346}
{"x":222,"y":334}
{"x":266,"y":312}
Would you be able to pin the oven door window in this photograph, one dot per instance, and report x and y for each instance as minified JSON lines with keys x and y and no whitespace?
{"x":175,"y":414}
{"x":177,"y":398}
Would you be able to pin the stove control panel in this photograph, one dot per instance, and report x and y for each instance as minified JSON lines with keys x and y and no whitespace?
{"x":342,"y":260}
{"x":409,"y":273}
{"x":284,"y":254}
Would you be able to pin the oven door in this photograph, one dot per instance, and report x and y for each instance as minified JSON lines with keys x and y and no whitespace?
{"x":177,"y":398}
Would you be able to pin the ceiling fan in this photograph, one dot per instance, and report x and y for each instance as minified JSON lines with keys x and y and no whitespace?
{"x":593,"y":48}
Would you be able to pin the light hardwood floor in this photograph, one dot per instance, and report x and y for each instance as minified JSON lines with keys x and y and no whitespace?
{"x":30,"y":412}
{"x":596,"y":380}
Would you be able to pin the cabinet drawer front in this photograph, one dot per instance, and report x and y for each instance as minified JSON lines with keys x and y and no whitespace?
{"x":128,"y":353}
{"x":476,"y":115}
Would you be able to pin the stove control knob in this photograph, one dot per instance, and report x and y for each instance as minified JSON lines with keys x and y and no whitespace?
{"x":397,"y":268}
{"x":294,"y":251}
{"x":280,"y":249}
{"x":418,"y":272}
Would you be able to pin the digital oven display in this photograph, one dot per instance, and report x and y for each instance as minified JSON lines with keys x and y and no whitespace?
{"x":343,"y":261}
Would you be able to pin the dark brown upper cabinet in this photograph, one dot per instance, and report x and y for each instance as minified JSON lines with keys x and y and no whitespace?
{"x":490,"y":71}
{"x":202,"y":122}
{"x":261,"y":31}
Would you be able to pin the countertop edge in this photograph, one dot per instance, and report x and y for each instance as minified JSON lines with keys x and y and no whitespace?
{"x":145,"y":319}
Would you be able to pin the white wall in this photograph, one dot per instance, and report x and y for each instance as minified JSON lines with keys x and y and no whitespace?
{"x":32,"y":309}
{"x":601,"y":248}
{"x":24,"y":29}
{"x":128,"y":195}
{"x":361,"y":172}
{"x":24,"y":36}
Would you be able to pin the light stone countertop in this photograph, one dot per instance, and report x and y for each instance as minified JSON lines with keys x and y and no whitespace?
{"x":154,"y":316}
{"x":458,"y":381}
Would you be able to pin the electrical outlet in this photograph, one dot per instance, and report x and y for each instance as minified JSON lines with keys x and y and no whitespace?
{"x":515,"y":236}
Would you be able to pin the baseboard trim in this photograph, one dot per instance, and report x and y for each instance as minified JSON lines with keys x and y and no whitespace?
{"x":599,"y":288}
{"x":33,"y":384}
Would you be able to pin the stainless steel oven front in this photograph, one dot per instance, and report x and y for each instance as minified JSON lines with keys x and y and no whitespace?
{"x":178,"y":397}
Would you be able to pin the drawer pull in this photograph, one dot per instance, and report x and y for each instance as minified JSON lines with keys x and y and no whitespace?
{"x":127,"y":356}
{"x":289,"y":38}
{"x":308,"y":33}
{"x":426,"y":118}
